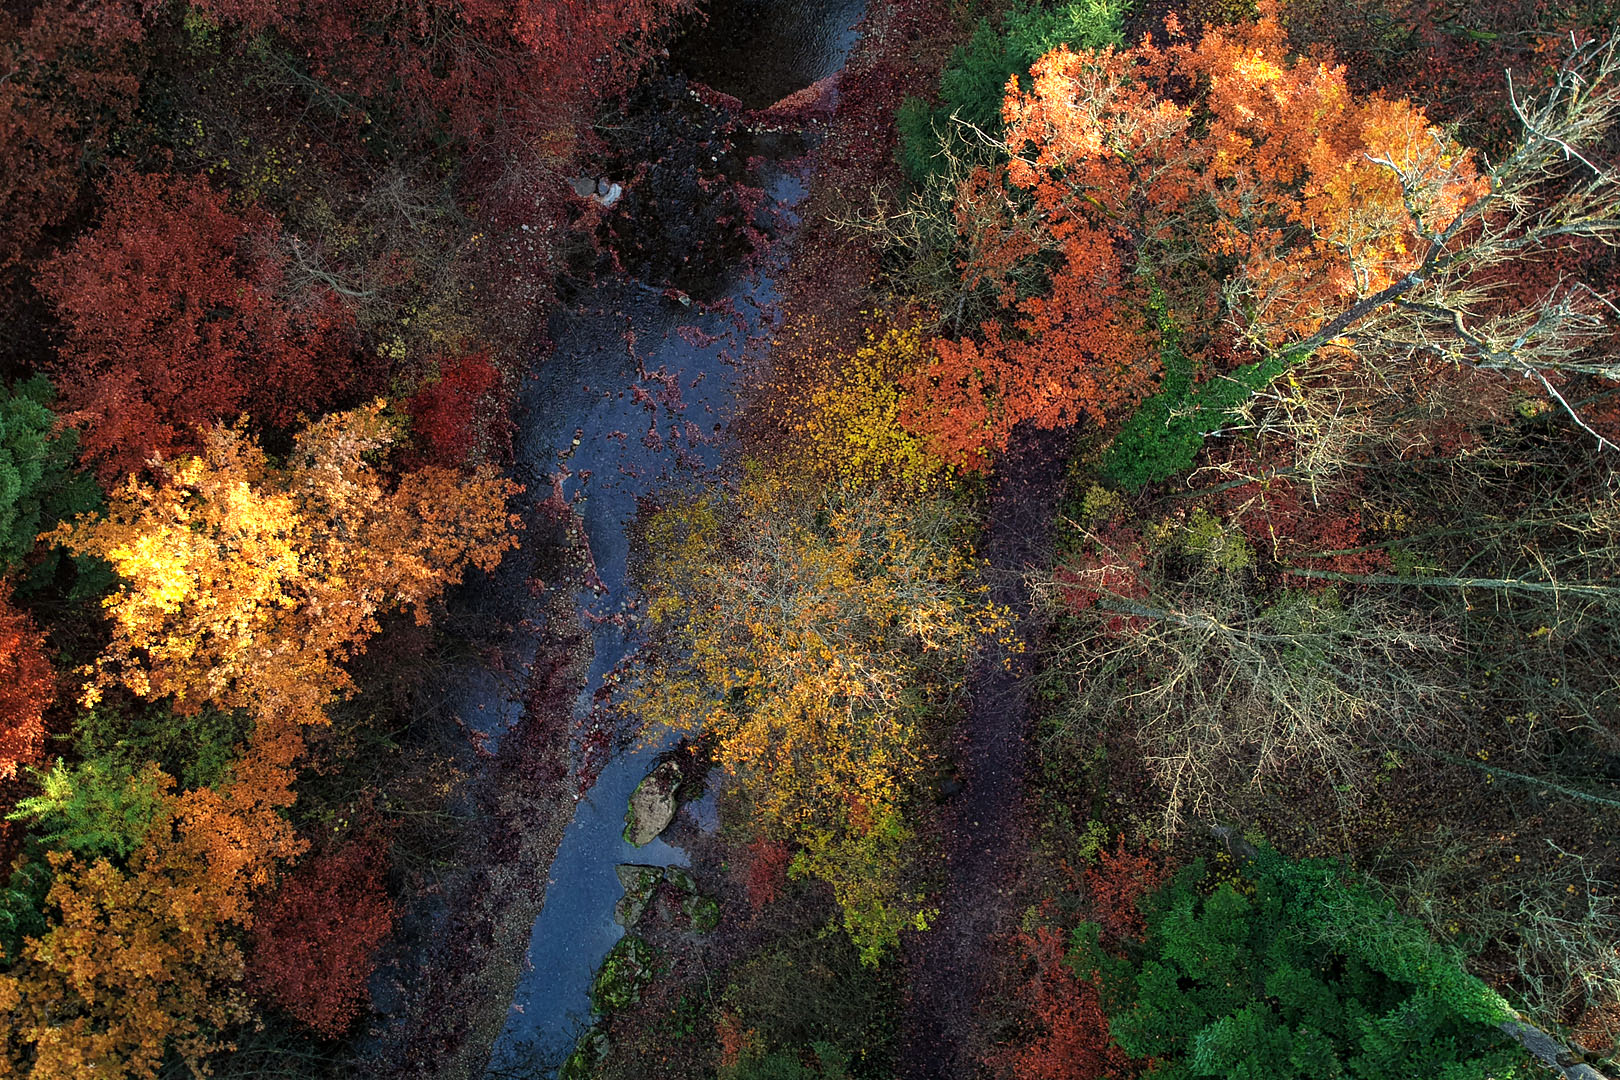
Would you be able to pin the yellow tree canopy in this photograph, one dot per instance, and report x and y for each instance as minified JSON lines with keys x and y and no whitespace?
{"x":246,"y":585}
{"x":243,"y":585}
{"x":813,"y":639}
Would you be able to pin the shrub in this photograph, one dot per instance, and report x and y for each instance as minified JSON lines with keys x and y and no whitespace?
{"x":197,"y":749}
{"x":446,"y":412}
{"x":767,"y":871}
{"x":810,"y":990}
{"x":853,"y":424}
{"x":95,"y":808}
{"x":1117,"y":884}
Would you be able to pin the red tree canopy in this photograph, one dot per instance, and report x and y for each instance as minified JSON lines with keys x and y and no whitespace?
{"x":488,"y":67}
{"x":68,"y":73}
{"x":176,"y":314}
{"x":1070,"y":1038}
{"x":316,"y":939}
{"x":445,"y":414}
{"x":27,"y":688}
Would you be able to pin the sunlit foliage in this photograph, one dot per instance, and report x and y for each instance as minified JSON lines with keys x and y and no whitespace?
{"x":852,"y":422}
{"x":246,"y":585}
{"x":816,"y":640}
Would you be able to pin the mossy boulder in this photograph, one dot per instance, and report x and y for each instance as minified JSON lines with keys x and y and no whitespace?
{"x":703,"y":912}
{"x":652,"y":804}
{"x":626,"y":972}
{"x":639,"y":883}
{"x":670,"y":892}
{"x":588,"y":1055}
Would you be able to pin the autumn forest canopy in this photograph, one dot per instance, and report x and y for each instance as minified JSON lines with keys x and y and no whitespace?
{"x":1147,"y":604}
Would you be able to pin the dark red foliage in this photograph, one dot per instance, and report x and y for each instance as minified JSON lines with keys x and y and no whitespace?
{"x":315,"y":942}
{"x":1070,"y":1040}
{"x":1282,"y":518}
{"x":1110,"y":564}
{"x":481,"y":70}
{"x":1296,"y":524}
{"x":176,"y":314}
{"x":27,"y":688}
{"x":68,"y":75}
{"x":767,"y":871}
{"x":446,"y":414}
{"x":1603,"y":413}
{"x":1119,"y":880}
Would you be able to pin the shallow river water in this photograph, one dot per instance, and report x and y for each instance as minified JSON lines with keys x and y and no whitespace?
{"x":645,"y":385}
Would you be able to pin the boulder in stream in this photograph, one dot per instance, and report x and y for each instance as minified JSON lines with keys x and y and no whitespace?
{"x":678,"y":899}
{"x":639,"y":883}
{"x":626,"y":972}
{"x":652,"y":804}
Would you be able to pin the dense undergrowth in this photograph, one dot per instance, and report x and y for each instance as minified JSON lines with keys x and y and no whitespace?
{"x":1321,"y":775}
{"x":1332,"y":606}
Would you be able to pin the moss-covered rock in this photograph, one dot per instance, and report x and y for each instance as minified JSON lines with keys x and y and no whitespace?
{"x":639,"y":883}
{"x":703,"y":911}
{"x":624,"y":975}
{"x":652,"y":804}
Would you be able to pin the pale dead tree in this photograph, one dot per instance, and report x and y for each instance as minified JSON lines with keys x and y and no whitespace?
{"x":1552,"y":189}
{"x":399,"y":245}
{"x":949,"y":226}
{"x":1226,"y":690}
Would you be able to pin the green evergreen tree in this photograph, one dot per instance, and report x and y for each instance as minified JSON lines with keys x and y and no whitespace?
{"x":1296,"y":972}
{"x":38,"y":483}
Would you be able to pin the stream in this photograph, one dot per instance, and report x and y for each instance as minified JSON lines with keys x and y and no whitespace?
{"x":638,"y":394}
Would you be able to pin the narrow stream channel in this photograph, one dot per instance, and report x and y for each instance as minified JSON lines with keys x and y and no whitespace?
{"x":645,"y":385}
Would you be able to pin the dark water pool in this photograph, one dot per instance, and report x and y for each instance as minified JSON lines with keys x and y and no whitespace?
{"x":763,"y":50}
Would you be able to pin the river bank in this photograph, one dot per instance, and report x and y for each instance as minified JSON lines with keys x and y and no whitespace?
{"x":637,"y":392}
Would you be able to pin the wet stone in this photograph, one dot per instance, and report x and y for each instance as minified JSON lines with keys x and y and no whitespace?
{"x":652,"y":804}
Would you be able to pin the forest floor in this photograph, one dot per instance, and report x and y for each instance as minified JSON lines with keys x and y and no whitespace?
{"x":986,"y":829}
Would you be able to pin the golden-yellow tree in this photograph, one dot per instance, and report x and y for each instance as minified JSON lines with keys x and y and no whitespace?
{"x":247,"y":585}
{"x":243,"y":584}
{"x":817,"y":638}
{"x":140,"y":959}
{"x":850,"y":430}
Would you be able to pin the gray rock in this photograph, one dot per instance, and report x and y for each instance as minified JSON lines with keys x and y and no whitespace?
{"x":599,"y":189}
{"x":629,"y":908}
{"x":639,"y":883}
{"x":638,"y":877}
{"x":652,"y":804}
